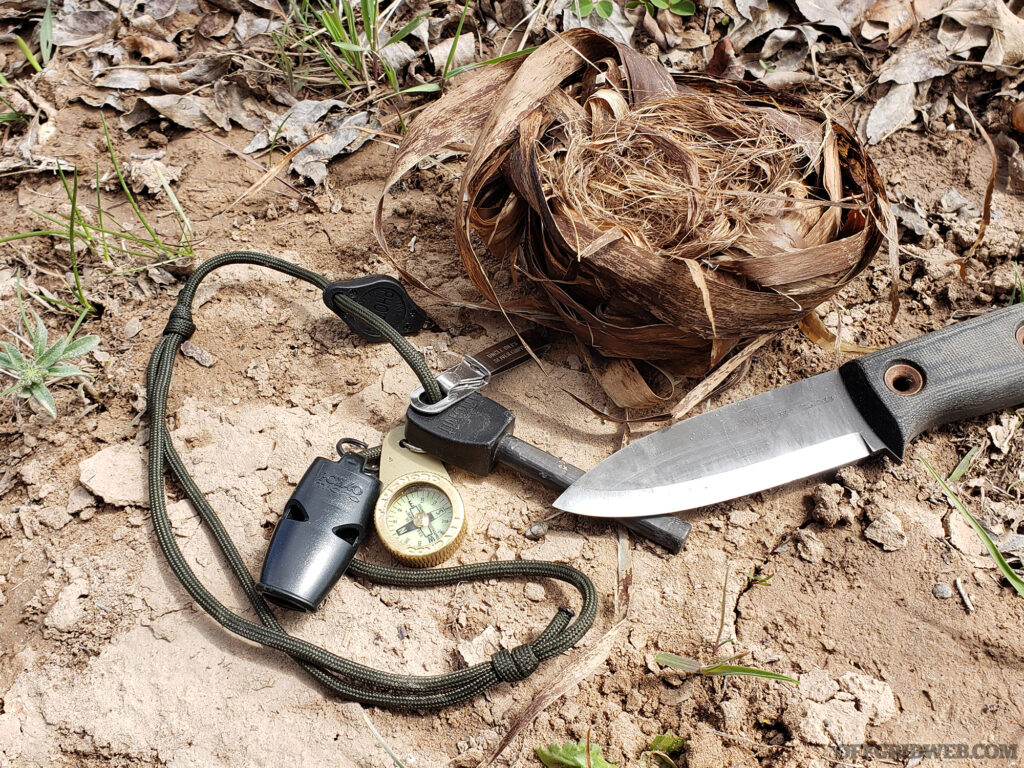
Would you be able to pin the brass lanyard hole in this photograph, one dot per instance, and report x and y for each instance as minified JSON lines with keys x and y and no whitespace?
{"x":904,"y":379}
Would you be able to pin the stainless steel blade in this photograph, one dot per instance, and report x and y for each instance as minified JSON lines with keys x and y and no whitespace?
{"x":761,"y":442}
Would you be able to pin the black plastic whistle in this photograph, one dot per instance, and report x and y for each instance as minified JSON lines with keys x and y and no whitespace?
{"x":323,"y":524}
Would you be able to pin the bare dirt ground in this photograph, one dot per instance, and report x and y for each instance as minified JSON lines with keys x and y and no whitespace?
{"x":104,"y":661}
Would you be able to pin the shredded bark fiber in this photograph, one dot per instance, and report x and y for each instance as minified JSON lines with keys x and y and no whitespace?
{"x":662,"y":220}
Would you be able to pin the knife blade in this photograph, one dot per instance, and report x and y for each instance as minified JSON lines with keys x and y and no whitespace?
{"x":874,"y":404}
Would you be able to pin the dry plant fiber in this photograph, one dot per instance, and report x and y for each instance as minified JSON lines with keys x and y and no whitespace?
{"x":661,"y":220}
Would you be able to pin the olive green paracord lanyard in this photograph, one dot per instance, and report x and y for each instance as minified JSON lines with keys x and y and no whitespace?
{"x":347,"y":678}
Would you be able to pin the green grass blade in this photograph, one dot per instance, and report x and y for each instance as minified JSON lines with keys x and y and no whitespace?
{"x":58,"y":303}
{"x":122,"y":233}
{"x":964,"y":465}
{"x":99,"y":217}
{"x":75,"y":327}
{"x":350,"y":19}
{"x":455,"y":41}
{"x":333,"y":64}
{"x":367,"y":8}
{"x":46,"y":34}
{"x":33,"y":233}
{"x":421,"y":88}
{"x":29,"y":56}
{"x":380,"y":740}
{"x":682,"y":663}
{"x":495,"y":60}
{"x":127,"y":191}
{"x":723,"y":670}
{"x":407,"y":30}
{"x":186,"y":225}
{"x":1011,"y":576}
{"x":353,"y":47}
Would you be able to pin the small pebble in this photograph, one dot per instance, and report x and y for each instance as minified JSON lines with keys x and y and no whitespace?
{"x":536,"y":532}
{"x":942,"y":590}
{"x":534,"y":592}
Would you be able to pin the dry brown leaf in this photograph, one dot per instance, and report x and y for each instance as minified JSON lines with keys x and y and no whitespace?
{"x":624,"y":384}
{"x":840,"y":15}
{"x":724,"y":62}
{"x":707,"y":214}
{"x":815,"y":330}
{"x":892,"y":18}
{"x":150,"y":49}
{"x":891,"y":112}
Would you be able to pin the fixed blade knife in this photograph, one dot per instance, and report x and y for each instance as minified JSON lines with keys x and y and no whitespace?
{"x":874,"y":404}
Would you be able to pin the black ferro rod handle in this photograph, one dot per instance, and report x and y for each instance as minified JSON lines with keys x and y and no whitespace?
{"x":667,"y":531}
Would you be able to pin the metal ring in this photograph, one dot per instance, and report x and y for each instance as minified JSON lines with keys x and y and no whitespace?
{"x":1020,"y":335}
{"x":340,"y":446}
{"x":409,"y":446}
{"x":904,"y":379}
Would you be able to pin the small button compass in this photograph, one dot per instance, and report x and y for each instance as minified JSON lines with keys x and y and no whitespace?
{"x":419,"y":515}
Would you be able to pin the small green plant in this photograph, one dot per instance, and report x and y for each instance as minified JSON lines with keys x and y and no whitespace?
{"x":718,"y":667}
{"x":581,"y":754}
{"x":665,"y":748}
{"x":13,"y":116}
{"x":759,"y":579}
{"x":46,"y":35}
{"x":43,"y":364}
{"x":965,"y":463}
{"x":1009,"y":574}
{"x":339,"y":40}
{"x":1017,"y":296}
{"x":682,"y":8}
{"x":29,"y":56}
{"x":324,"y":43}
{"x":604,"y":8}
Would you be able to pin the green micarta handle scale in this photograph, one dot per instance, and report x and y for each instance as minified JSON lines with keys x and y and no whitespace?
{"x":965,"y":370}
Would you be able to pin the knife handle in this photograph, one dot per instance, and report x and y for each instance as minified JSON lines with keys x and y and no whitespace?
{"x":476,"y":432}
{"x":667,"y":531}
{"x":962,"y":371}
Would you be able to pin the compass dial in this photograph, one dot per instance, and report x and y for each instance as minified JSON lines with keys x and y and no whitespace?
{"x":420,"y":518}
{"x":419,"y":515}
